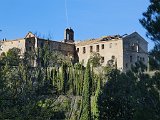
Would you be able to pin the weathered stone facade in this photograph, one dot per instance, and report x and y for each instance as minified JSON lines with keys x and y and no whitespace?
{"x":124,"y":51}
{"x":31,"y":42}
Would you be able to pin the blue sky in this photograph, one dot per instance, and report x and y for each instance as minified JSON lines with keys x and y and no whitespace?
{"x":88,"y":18}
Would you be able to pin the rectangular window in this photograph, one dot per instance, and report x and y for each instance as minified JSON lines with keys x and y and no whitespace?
{"x":130,"y":58}
{"x":102,"y":46}
{"x":97,"y":48}
{"x":137,"y":58}
{"x":102,"y":59}
{"x":126,"y":65}
{"x":84,"y":50}
{"x":91,"y":48}
{"x":77,"y":50}
{"x":143,"y":59}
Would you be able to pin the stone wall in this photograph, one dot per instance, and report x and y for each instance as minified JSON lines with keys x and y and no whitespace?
{"x":8,"y":44}
{"x":107,"y":49}
{"x":135,"y":49}
{"x":68,"y":49}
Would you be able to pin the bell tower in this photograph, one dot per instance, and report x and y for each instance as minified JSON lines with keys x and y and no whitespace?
{"x":69,"y":35}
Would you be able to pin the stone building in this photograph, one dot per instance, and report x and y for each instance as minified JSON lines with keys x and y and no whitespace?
{"x":31,"y":42}
{"x":123,"y":51}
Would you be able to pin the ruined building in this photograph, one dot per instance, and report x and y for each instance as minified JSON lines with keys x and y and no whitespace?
{"x":124,"y":51}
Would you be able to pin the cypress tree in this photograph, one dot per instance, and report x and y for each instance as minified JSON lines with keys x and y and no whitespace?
{"x":81,"y":76}
{"x":95,"y":109}
{"x":54,"y":77}
{"x":70,"y":79}
{"x":86,"y":102}
{"x":64,"y":78}
{"x":59,"y":81}
{"x":76,"y":79}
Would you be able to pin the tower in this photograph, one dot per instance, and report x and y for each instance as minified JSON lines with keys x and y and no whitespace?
{"x":69,"y":35}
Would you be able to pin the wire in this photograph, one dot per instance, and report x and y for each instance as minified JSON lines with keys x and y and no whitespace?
{"x":66,"y":11}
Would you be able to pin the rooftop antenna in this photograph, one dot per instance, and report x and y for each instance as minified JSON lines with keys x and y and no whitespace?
{"x":66,"y":11}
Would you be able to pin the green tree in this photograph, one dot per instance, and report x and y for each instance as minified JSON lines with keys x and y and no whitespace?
{"x":12,"y":57}
{"x":95,"y":107}
{"x":147,"y":98}
{"x":22,"y":94}
{"x":116,"y":102}
{"x":64,"y":78}
{"x":154,"y":58}
{"x":95,"y":59}
{"x":151,"y":20}
{"x":86,"y":96}
{"x":133,"y":95}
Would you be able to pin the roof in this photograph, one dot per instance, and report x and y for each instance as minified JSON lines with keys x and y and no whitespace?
{"x":134,"y":34}
{"x":102,"y":39}
{"x":109,"y":38}
{"x":4,"y":40}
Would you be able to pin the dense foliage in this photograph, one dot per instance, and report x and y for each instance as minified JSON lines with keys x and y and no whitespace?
{"x":62,"y":90}
{"x":130,"y":96}
{"x":86,"y":95}
{"x":151,"y":20}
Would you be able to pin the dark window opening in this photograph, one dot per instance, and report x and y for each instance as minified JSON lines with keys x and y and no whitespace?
{"x":91,"y":48}
{"x":102,"y":46}
{"x":97,"y":48}
{"x":126,"y":65}
{"x":102,"y":59}
{"x":137,"y":58}
{"x":78,"y":50}
{"x":84,"y":50}
{"x":113,"y":57}
{"x":130,"y":58}
{"x":143,"y":59}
